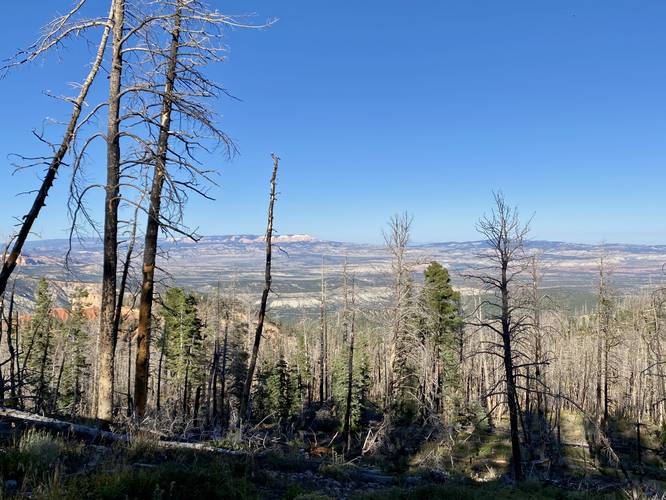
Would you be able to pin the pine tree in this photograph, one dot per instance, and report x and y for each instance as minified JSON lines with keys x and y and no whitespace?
{"x":360,"y":383}
{"x":303,"y":371}
{"x":39,"y":354}
{"x":76,"y":367}
{"x":442,"y":323}
{"x":276,"y":391}
{"x":236,"y":372}
{"x":185,"y":357}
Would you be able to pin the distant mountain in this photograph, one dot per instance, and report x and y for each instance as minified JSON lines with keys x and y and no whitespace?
{"x":298,"y":259}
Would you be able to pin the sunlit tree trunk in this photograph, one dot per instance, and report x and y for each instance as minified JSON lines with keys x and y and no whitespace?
{"x":107,"y":344}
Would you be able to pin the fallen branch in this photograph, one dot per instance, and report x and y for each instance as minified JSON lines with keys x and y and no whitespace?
{"x":97,"y":435}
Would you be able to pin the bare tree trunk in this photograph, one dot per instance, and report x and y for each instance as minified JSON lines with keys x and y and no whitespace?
{"x":56,"y":392}
{"x":504,"y":235}
{"x":117,"y":317}
{"x":186,"y":390}
{"x":153,"y":225}
{"x":197,"y":403}
{"x":245,"y":407}
{"x":19,"y":371}
{"x":211,"y":397}
{"x":606,"y":372}
{"x":223,"y":369}
{"x":107,"y":345}
{"x":322,"y":337}
{"x":13,"y":361}
{"x":128,"y":395}
{"x":512,"y":397}
{"x":346,"y":431}
{"x":212,"y":382}
{"x":40,"y":403}
{"x":159,"y":368}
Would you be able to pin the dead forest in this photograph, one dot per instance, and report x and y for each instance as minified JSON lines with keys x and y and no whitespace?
{"x":427,"y":388}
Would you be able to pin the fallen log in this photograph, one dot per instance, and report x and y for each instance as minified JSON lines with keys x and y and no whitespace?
{"x":53,"y":424}
{"x":93,"y":434}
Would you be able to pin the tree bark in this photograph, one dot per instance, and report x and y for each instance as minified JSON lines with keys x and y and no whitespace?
{"x":107,"y":344}
{"x":153,"y":225}
{"x":512,"y":397}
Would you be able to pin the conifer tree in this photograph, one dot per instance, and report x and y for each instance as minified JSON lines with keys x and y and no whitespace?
{"x":38,"y":356}
{"x":276,"y":390}
{"x":360,"y":383}
{"x":442,"y":324}
{"x":185,"y":357}
{"x":76,"y":366}
{"x":236,"y":372}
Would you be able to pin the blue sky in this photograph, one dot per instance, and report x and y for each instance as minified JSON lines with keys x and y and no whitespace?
{"x":378,"y":107}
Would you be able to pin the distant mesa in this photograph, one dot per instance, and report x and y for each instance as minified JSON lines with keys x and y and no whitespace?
{"x":252,"y":239}
{"x":247,"y":239}
{"x":292,"y":238}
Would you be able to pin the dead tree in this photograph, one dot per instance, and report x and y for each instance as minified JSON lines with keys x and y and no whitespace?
{"x":223,"y":368}
{"x":13,"y":355}
{"x":322,"y":337}
{"x":539,"y":330}
{"x":399,"y":369}
{"x":175,"y":83}
{"x":107,"y":344}
{"x":350,"y":324}
{"x":245,"y":399}
{"x":508,"y":318}
{"x":606,"y":342}
{"x":152,"y":226}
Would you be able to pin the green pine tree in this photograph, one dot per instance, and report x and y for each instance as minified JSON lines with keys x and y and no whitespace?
{"x":443,"y":327}
{"x":76,"y":367}
{"x":360,"y":382}
{"x":39,"y":350}
{"x":276,"y":391}
{"x":185,"y":357}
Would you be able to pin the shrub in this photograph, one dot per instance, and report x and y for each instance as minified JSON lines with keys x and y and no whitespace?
{"x":40,"y":449}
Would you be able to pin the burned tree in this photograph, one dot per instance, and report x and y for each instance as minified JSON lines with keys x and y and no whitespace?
{"x":245,"y":399}
{"x":349,"y":315}
{"x":107,"y":343}
{"x":174,"y":88}
{"x":400,"y":375}
{"x":506,"y":315}
{"x":152,"y":226}
{"x":322,"y":338}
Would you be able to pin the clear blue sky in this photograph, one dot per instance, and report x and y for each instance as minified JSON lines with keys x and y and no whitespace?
{"x":382,"y":106}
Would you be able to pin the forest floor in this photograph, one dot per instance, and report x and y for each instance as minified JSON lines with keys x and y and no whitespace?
{"x":41,"y":464}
